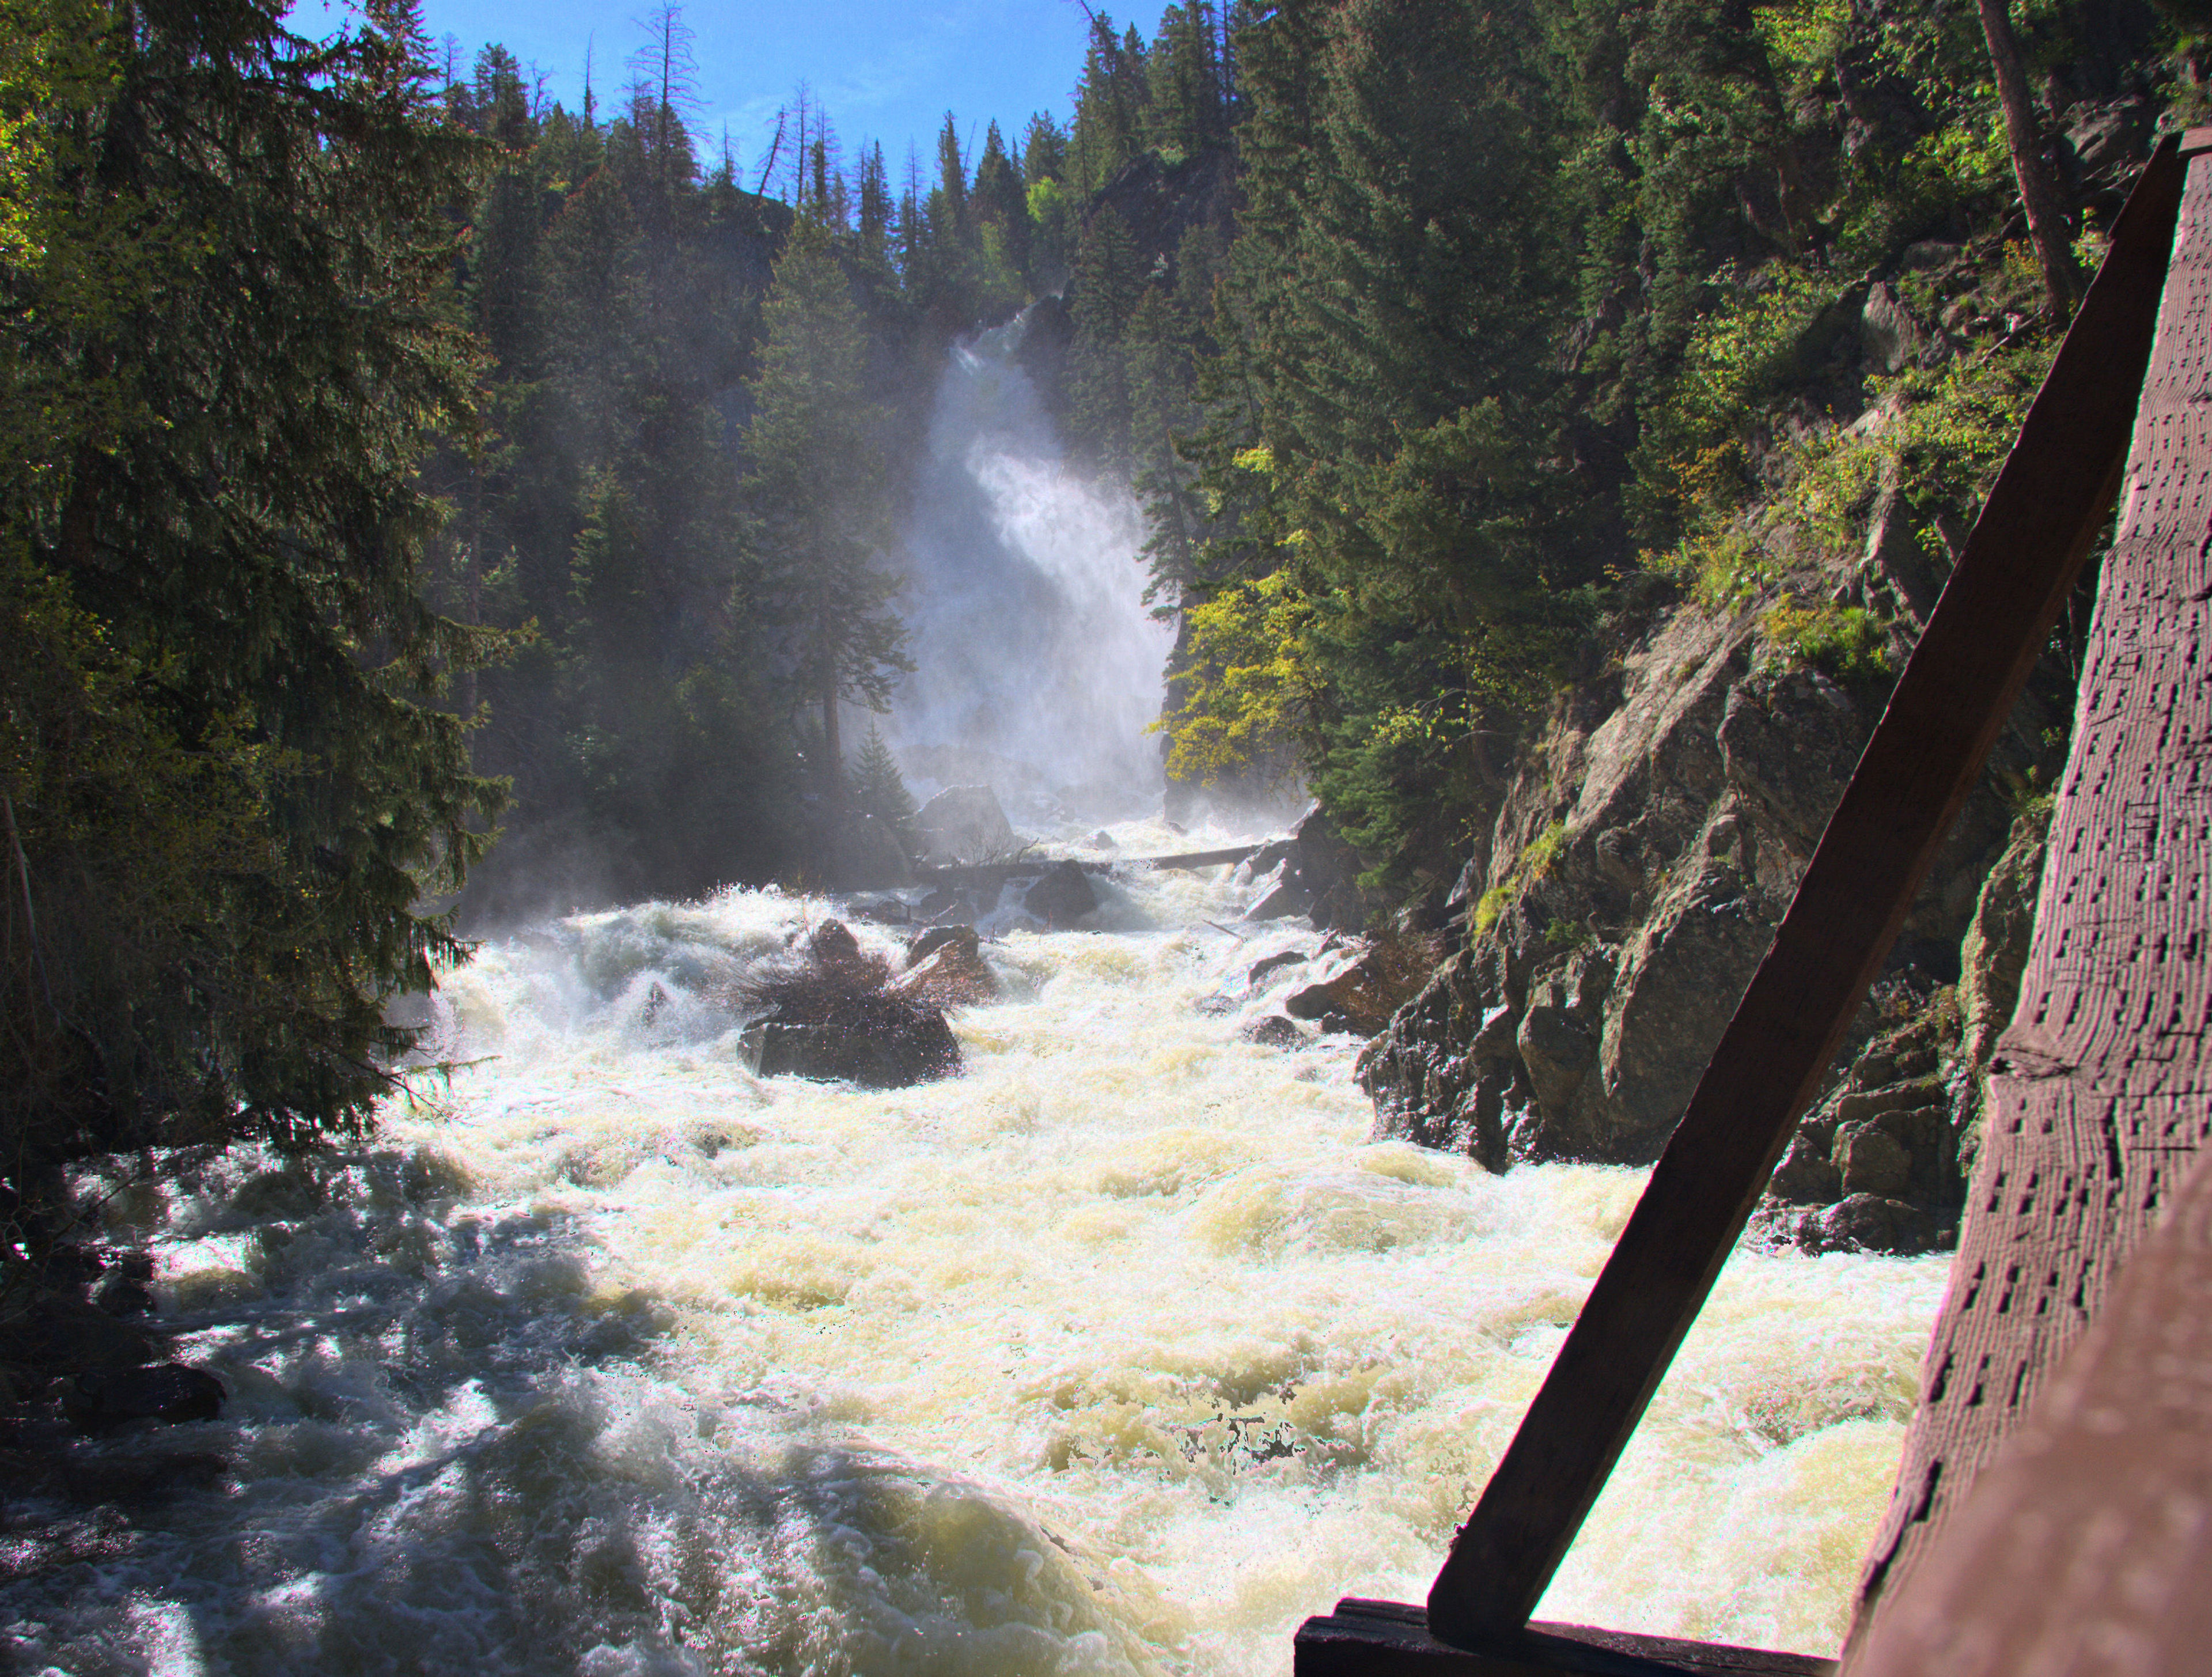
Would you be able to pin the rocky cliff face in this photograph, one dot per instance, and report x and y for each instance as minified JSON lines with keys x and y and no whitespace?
{"x":1638,"y":865}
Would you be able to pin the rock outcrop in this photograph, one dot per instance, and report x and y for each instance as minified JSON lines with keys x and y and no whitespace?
{"x":1310,"y":872}
{"x":1640,"y":861}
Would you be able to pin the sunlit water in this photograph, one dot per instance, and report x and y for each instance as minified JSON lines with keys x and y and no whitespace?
{"x":1120,"y":1352}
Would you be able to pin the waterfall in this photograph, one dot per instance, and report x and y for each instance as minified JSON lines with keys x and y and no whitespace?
{"x":1038,"y":667}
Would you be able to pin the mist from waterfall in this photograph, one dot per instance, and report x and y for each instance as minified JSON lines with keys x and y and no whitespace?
{"x":1038,"y":667}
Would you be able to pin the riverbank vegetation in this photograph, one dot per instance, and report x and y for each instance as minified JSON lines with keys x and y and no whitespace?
{"x":389,"y":447}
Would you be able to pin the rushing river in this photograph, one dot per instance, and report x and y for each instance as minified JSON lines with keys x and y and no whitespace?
{"x":1120,"y":1352}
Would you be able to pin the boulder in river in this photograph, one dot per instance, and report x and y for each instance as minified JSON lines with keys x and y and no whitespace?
{"x":883,"y":1043}
{"x":964,"y":824}
{"x":837,"y":1017}
{"x":1062,"y":897}
{"x":945,"y":966}
{"x":1316,"y":874}
{"x":1359,"y":992}
{"x":1272,"y":1030}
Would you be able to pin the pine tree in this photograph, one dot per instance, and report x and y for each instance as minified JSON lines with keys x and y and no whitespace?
{"x":1110,"y":106}
{"x":817,"y":491}
{"x":1108,"y":284}
{"x":1002,"y":213}
{"x":226,"y":790}
{"x":878,"y":789}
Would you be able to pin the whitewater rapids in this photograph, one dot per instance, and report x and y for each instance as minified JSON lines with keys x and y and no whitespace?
{"x":1122,"y":1352}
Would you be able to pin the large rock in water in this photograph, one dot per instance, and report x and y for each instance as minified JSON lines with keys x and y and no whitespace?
{"x":1358,"y":994}
{"x":964,"y":823}
{"x":1318,"y":876}
{"x":883,"y":1043}
{"x":1063,"y":897}
{"x":838,"y":1017}
{"x":945,"y":967}
{"x":169,"y":1392}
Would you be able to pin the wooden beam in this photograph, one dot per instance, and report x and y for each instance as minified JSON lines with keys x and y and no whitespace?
{"x":2101,"y":1089}
{"x":1390,"y":1639}
{"x":2085,"y":1545}
{"x":2021,"y":561}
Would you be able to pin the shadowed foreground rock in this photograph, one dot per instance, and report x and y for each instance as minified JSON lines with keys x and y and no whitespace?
{"x":171,"y":1392}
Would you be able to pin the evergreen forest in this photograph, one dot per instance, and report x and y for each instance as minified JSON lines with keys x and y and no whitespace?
{"x":405,"y":476}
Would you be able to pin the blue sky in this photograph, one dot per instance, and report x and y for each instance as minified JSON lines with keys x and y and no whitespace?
{"x":882,"y":71}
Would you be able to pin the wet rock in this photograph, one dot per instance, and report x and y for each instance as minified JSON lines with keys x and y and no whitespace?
{"x":1871,"y":1163}
{"x":1272,"y":1030}
{"x":1268,"y":966}
{"x":945,"y":967}
{"x":1359,"y":995}
{"x":832,"y":944}
{"x":926,"y":944}
{"x":127,"y":1290}
{"x":1558,"y":1049}
{"x":100,"y":1401}
{"x":1063,"y":897}
{"x":837,"y":1017}
{"x":1870,"y":1223}
{"x":1316,"y":874}
{"x":1884,"y":1136}
{"x":891,"y":1045}
{"x":60,"y":1333}
{"x":1280,"y":902}
{"x":964,"y":824}
{"x":1807,"y":1174}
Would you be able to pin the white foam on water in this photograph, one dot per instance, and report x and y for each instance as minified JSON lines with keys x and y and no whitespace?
{"x":1036,"y":657}
{"x":1120,"y":1352}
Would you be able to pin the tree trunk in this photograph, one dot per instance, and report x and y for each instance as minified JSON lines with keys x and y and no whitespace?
{"x":2047,"y":219}
{"x":833,"y":748}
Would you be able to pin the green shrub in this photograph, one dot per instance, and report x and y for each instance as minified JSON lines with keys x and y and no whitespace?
{"x":1843,"y":640}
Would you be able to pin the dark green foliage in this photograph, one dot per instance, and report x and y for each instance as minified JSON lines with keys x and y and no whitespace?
{"x":819,"y":498}
{"x":226,"y":789}
{"x":1110,"y":283}
{"x":877,"y":789}
{"x":1517,"y":292}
